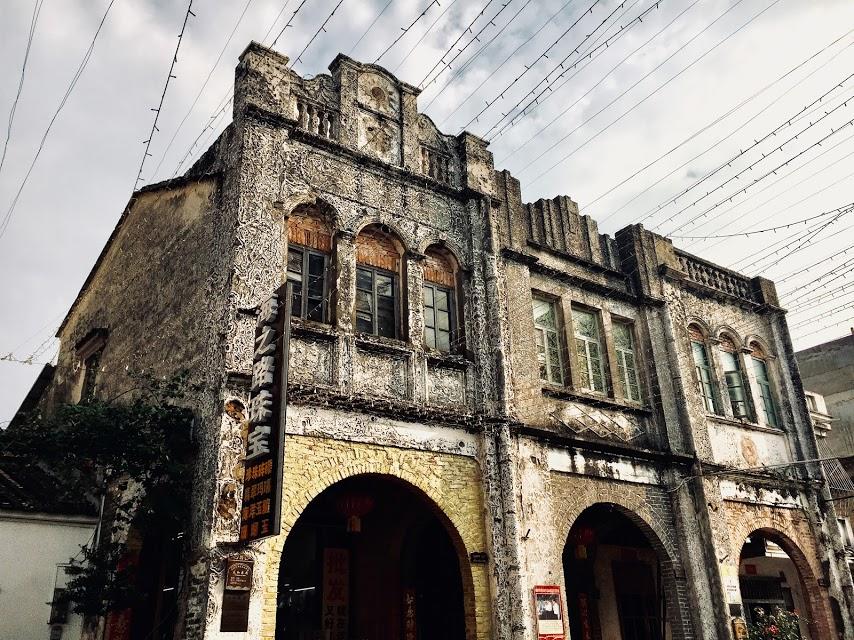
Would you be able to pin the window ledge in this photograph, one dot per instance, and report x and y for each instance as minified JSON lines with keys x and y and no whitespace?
{"x":451,"y":360}
{"x":370,"y":342}
{"x":562,"y":393}
{"x":312,"y":329}
{"x":754,"y":426}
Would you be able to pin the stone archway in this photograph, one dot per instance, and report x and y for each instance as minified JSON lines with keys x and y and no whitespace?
{"x":444,"y":481}
{"x":790,"y":529}
{"x":669,"y":573}
{"x":817,"y":614}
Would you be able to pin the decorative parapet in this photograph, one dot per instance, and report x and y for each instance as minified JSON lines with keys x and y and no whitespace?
{"x":316,"y":118}
{"x":720,"y":279}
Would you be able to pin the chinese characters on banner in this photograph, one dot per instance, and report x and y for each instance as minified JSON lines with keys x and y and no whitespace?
{"x":262,"y":480}
{"x":548,"y":608}
{"x":410,"y":627}
{"x":336,"y":593}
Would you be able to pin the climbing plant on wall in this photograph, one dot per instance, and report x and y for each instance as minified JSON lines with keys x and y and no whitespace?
{"x":130,"y":457}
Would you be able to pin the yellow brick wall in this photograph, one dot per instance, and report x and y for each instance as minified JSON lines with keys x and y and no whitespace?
{"x":451,"y":482}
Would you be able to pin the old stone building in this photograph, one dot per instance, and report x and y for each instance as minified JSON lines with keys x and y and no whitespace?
{"x":501,"y":423}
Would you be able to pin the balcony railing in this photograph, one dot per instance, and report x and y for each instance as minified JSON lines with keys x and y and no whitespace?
{"x":717,"y":278}
{"x":316,"y":118}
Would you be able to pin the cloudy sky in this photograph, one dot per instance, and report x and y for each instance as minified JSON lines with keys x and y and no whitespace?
{"x":688,"y":116}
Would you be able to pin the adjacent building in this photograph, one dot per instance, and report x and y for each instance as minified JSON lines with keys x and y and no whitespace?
{"x":501,"y":423}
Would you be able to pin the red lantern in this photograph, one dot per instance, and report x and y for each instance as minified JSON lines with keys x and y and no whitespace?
{"x":353,"y":507}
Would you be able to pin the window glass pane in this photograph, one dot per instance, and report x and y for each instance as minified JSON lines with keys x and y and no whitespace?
{"x":700,"y":356}
{"x":295,"y":264}
{"x":316,"y":274}
{"x":585,"y":324}
{"x":583,"y":364}
{"x":555,"y":372}
{"x":441,"y":300}
{"x":761,"y":372}
{"x":364,"y":322}
{"x":385,"y":285}
{"x":428,"y":296}
{"x":443,"y":340}
{"x":385,"y":317}
{"x":622,"y":336}
{"x":544,"y":315}
{"x":443,"y":321}
{"x":364,"y":279}
{"x":364,"y":301}
{"x":728,"y":361}
{"x":541,"y":353}
{"x":430,"y":337}
{"x":596,"y":367}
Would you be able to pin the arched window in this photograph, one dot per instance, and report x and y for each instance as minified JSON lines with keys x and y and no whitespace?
{"x":378,"y":261}
{"x":703,"y":368}
{"x":763,"y":381}
{"x":309,"y":253}
{"x":733,"y":377}
{"x":441,"y":321}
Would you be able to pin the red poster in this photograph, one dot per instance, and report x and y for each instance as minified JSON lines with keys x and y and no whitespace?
{"x":548,"y":608}
{"x":336,"y":593}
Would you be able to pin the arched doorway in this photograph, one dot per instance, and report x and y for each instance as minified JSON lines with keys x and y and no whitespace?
{"x":614,"y":579}
{"x":371,"y":558}
{"x":772,"y":573}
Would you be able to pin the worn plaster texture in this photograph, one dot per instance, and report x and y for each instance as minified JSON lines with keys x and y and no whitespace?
{"x":509,"y":461}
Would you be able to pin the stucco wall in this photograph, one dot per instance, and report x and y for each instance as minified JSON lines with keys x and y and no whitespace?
{"x":31,"y":547}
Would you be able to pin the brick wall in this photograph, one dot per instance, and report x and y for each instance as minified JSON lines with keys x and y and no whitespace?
{"x":451,"y":482}
{"x":376,"y":248}
{"x":307,"y":227}
{"x":438,"y":268}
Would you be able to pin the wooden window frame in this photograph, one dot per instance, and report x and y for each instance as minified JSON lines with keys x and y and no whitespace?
{"x":584,"y":360}
{"x":544,"y":331}
{"x":395,"y":287}
{"x":452,"y":319}
{"x":728,"y":375}
{"x":307,"y":252}
{"x":712,"y":397}
{"x":766,"y":392}
{"x":622,"y":366}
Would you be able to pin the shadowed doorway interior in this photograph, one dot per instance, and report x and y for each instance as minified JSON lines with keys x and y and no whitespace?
{"x":369,"y":559}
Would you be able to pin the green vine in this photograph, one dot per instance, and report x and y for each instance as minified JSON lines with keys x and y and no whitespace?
{"x":133,"y":455}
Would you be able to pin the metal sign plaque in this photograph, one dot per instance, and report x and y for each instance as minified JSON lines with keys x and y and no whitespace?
{"x":260,"y":515}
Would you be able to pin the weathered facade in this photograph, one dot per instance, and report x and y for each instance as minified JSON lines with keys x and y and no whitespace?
{"x":497,"y":395}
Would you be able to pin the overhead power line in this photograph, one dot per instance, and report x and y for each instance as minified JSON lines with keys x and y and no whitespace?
{"x":771,"y":172}
{"x":661,"y":86}
{"x":540,"y":99}
{"x":370,"y":26}
{"x":169,"y":76}
{"x":714,"y":122}
{"x":79,"y":72}
{"x":528,"y":67}
{"x":777,"y":228}
{"x":424,"y":35}
{"x":477,"y":54}
{"x":405,"y":30}
{"x":475,"y":38}
{"x":204,"y":84}
{"x":320,"y":29}
{"x":548,"y":21}
{"x":765,"y":155}
{"x":563,"y":66}
{"x":455,"y":42}
{"x":37,"y":9}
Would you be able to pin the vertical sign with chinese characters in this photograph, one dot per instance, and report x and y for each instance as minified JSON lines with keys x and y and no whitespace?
{"x":260,"y":515}
{"x":336,"y":593}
